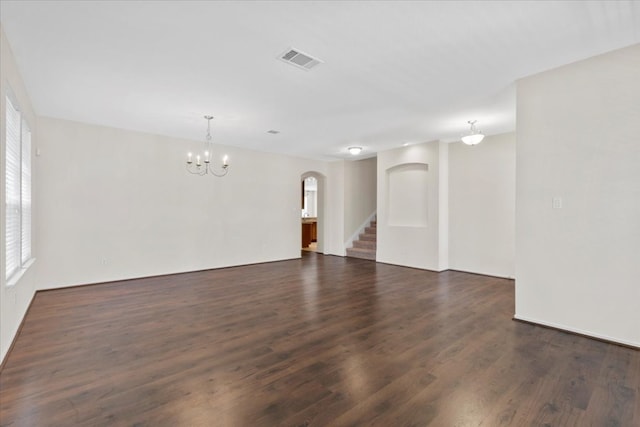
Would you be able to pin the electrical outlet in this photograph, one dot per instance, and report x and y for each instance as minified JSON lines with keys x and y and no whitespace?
{"x":556,"y":202}
{"x":103,"y":261}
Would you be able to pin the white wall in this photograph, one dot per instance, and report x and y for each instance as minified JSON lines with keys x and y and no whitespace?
{"x":482,"y":193}
{"x":409,"y":206}
{"x":360,"y":191}
{"x":334,"y":198}
{"x":14,"y":300}
{"x":117,"y":204}
{"x":443,"y":206}
{"x":578,"y":267}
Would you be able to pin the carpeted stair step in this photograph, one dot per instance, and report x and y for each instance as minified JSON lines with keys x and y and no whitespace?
{"x":362,"y":253}
{"x":371,"y":237}
{"x":365,"y":244}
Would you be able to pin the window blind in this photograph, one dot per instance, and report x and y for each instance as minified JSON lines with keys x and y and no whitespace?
{"x":12,"y":189}
{"x":25,"y":196}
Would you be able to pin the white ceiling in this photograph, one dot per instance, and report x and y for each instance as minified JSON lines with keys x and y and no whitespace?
{"x":394,"y":72}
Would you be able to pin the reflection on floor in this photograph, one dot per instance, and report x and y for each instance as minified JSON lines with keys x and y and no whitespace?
{"x":313,"y":247}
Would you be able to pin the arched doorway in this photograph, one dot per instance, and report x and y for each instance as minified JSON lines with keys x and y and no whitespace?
{"x":312,"y":217}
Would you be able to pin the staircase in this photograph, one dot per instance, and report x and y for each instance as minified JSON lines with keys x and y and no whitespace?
{"x":365,"y":246}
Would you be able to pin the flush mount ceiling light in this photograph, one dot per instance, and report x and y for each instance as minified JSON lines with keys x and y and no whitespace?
{"x":355,"y":150}
{"x":474,"y":136}
{"x":198,"y":168}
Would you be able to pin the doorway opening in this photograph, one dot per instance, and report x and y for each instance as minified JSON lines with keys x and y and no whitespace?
{"x":312,"y":212}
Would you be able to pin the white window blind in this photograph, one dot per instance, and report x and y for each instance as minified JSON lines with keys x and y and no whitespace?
{"x":25,"y":199}
{"x":18,"y":190}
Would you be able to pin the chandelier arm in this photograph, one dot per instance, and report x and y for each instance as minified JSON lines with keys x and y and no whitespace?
{"x":197,"y":170}
{"x":221,"y":173}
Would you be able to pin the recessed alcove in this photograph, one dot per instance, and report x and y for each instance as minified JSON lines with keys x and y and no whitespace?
{"x":407,"y":195}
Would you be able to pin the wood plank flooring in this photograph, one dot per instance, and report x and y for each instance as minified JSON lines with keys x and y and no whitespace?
{"x":321,"y":341}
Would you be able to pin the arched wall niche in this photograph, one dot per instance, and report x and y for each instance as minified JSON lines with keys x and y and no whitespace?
{"x":407,"y":195}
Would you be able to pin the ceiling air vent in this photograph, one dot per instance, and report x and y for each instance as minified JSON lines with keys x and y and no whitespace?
{"x":299,"y":59}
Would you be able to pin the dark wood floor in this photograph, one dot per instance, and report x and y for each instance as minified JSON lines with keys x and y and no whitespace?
{"x":318,"y":341}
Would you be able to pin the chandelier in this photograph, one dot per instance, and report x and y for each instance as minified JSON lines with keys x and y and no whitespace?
{"x":202,"y":164}
{"x":474,"y":136}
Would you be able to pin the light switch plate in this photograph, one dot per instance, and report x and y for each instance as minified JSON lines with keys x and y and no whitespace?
{"x":556,"y":202}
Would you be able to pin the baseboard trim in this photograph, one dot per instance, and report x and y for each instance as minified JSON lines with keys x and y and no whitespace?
{"x":579,"y":333}
{"x":481,"y":274}
{"x":17,"y":334}
{"x":448,"y":270}
{"x":409,"y":266}
{"x":128,"y":279}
